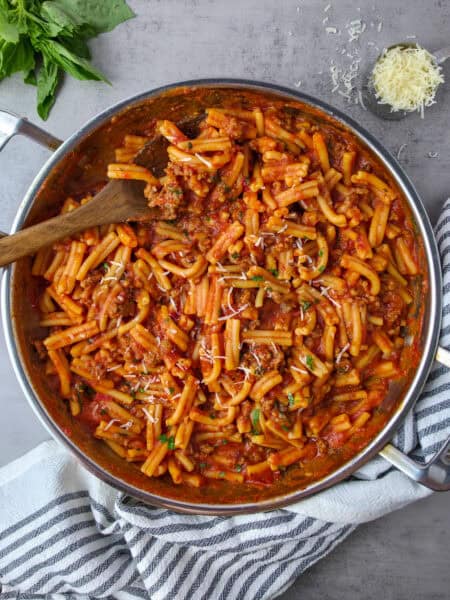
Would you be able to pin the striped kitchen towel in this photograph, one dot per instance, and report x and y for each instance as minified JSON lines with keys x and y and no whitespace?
{"x":65,"y":534}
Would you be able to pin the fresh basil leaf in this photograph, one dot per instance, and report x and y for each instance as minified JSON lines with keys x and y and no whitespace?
{"x":60,"y":19}
{"x":78,"y":46}
{"x":15,"y":57}
{"x":47,"y":82}
{"x":54,"y":31}
{"x":97,"y":16}
{"x":30,"y":77}
{"x":9,"y":31}
{"x":76,"y":66}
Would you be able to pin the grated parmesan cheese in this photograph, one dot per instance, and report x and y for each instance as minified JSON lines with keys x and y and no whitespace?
{"x":111,"y":423}
{"x":203,"y":160}
{"x":247,"y":372}
{"x":400,"y":150}
{"x":341,"y":353}
{"x":343,"y":80}
{"x":355,"y":29}
{"x":236,"y":312}
{"x":294,"y":368}
{"x":361,"y":100}
{"x":406,"y":78}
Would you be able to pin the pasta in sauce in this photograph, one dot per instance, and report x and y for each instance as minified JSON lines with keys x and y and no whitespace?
{"x":257,"y":325}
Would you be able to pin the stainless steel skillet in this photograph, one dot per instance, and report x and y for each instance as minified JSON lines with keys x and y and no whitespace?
{"x":20,"y":324}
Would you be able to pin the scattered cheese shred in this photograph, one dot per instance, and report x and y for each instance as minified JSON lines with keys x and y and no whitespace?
{"x":406,"y":78}
{"x":400,"y":150}
{"x":355,"y":29}
{"x":343,"y":80}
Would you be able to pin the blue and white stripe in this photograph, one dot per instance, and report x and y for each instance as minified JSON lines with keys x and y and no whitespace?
{"x":65,"y":535}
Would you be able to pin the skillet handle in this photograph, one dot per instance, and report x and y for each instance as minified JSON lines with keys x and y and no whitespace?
{"x":436,"y":473}
{"x":11,"y":125}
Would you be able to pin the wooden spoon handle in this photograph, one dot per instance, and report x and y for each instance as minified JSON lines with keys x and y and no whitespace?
{"x":29,"y":240}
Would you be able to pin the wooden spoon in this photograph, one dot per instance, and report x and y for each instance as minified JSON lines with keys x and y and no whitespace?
{"x":120,"y":200}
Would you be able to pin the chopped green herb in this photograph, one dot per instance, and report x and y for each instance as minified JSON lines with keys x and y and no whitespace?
{"x":171,"y":390}
{"x":235,"y":255}
{"x":171,"y":443}
{"x":291,"y":399}
{"x":212,"y":416}
{"x":189,"y":145}
{"x":141,"y":390}
{"x":257,"y":278}
{"x":321,"y":269}
{"x":320,"y":253}
{"x":310,"y":362}
{"x":222,"y":474}
{"x":103,"y":411}
{"x":306,"y":304}
{"x":254,"y":416}
{"x":274,"y":272}
{"x":224,"y":442}
{"x":163,"y":438}
{"x":285,"y":427}
{"x":226,"y":188}
{"x":202,"y":465}
{"x":238,"y":468}
{"x":105,"y":266}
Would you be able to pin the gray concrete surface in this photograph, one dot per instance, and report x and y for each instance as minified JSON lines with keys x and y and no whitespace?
{"x":404,"y":555}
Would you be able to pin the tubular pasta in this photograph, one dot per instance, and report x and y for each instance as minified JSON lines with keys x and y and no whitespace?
{"x":258,"y":324}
